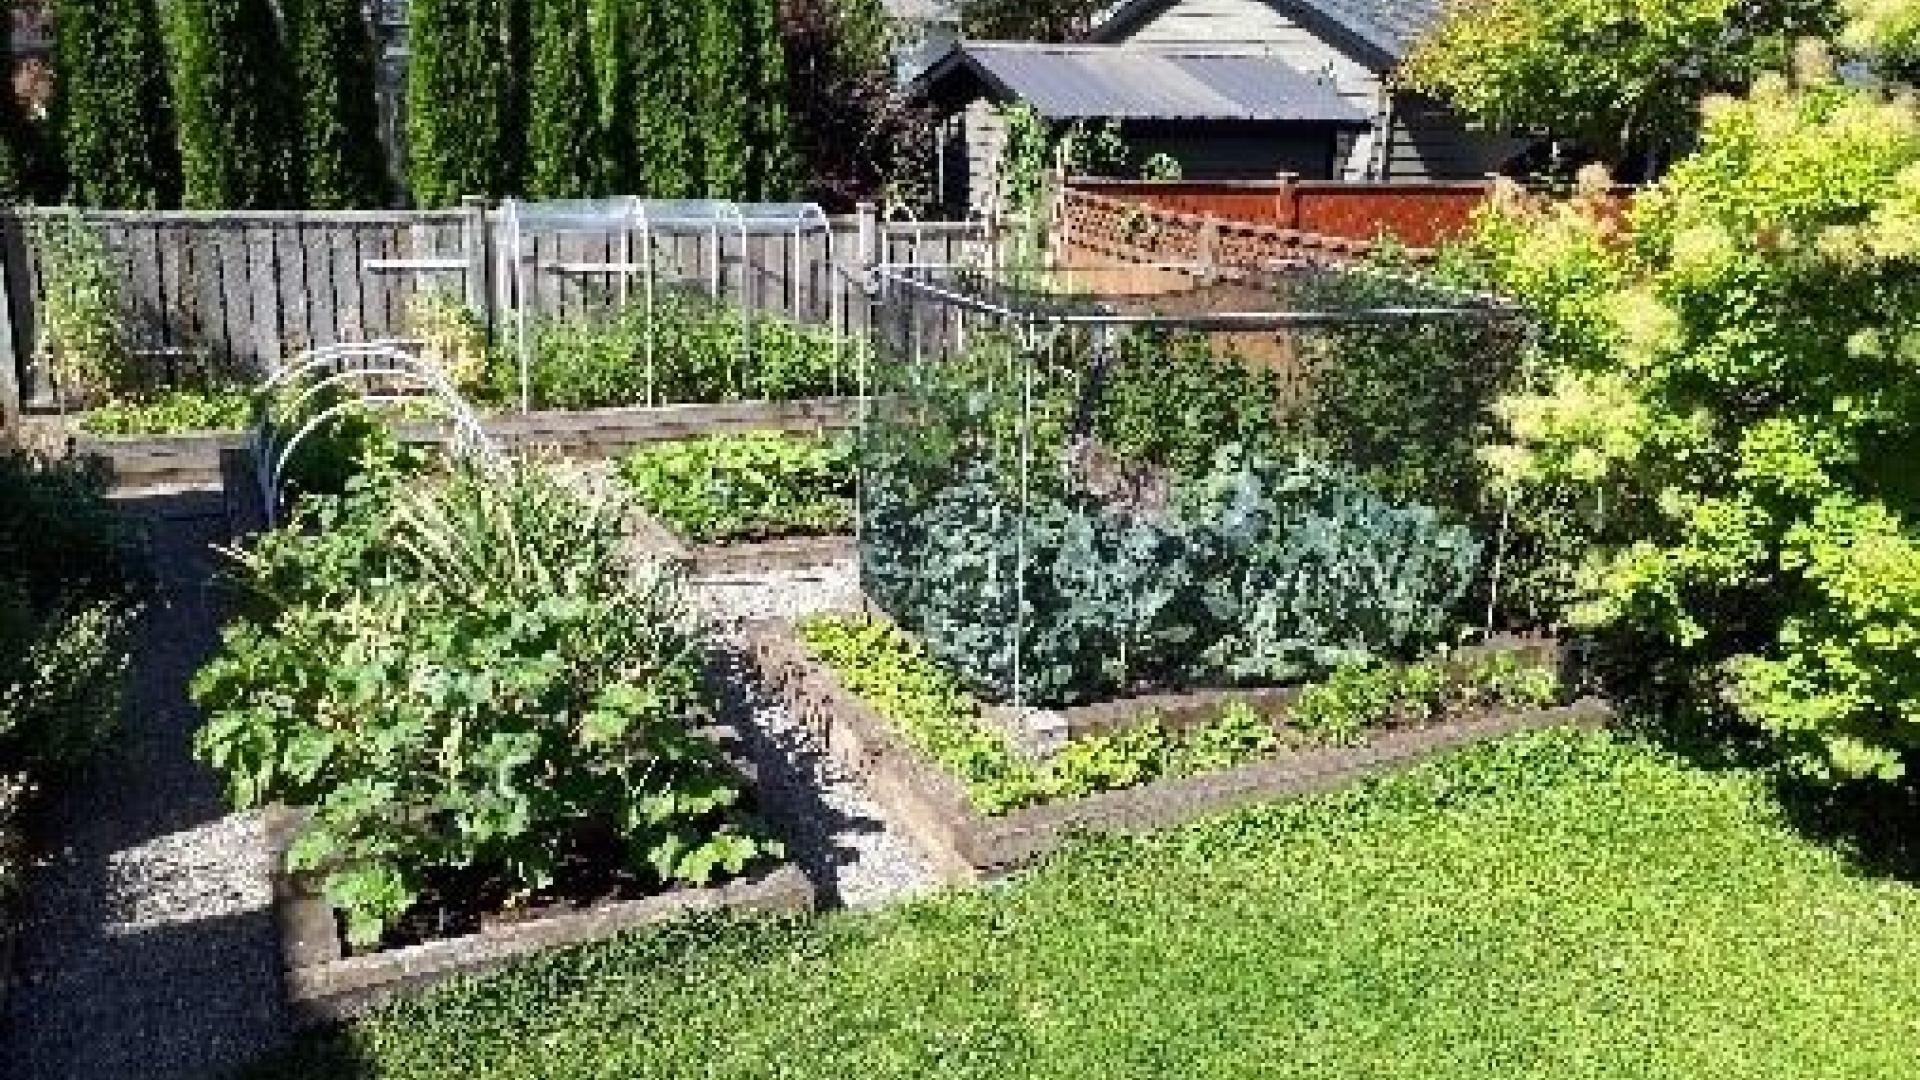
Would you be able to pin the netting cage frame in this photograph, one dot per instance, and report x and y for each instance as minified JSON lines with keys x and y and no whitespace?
{"x":964,"y":299}
{"x":726,"y":226}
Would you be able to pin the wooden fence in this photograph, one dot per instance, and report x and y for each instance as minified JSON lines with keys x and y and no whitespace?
{"x":1096,"y":229}
{"x":207,"y":294}
{"x":1416,"y":215}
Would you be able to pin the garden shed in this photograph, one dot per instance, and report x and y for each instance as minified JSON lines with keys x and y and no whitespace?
{"x":1221,"y":115}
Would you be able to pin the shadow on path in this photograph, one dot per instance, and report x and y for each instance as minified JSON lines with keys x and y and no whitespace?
{"x":148,"y":948}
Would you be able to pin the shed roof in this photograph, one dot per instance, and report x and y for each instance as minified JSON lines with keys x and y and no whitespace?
{"x":1122,"y":82}
{"x":1378,"y":32}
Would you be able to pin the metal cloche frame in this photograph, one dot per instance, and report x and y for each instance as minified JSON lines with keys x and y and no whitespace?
{"x":718,"y":220}
{"x":1040,"y":318}
{"x":370,"y":363}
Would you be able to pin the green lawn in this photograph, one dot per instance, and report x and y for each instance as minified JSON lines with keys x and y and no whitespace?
{"x":1558,"y":906}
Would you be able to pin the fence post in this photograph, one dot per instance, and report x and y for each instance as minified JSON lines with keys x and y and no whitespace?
{"x":10,"y":433}
{"x":867,"y":217}
{"x":476,"y":242}
{"x":1210,"y":247}
{"x":1286,"y":201}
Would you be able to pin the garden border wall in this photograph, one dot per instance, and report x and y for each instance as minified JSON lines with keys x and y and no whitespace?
{"x":323,"y":985}
{"x":138,"y":462}
{"x":964,"y":845}
{"x":787,"y":554}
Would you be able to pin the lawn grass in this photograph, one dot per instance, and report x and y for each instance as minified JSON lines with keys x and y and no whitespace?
{"x":1562,"y":905}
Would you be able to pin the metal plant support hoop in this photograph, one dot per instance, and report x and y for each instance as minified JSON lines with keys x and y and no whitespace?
{"x":371,"y":364}
{"x":723,"y":229}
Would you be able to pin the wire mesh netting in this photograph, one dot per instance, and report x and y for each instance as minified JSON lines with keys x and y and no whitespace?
{"x":1084,"y":484}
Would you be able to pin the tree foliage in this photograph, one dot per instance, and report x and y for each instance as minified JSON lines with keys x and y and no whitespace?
{"x":341,"y":161}
{"x":1729,"y":399}
{"x":1624,"y":78}
{"x":464,"y":99}
{"x":661,"y":119}
{"x":112,"y":108}
{"x":769,"y":134}
{"x":721,"y":100}
{"x":855,"y":136}
{"x":1030,"y":20}
{"x":231,"y":83}
{"x":565,"y":133}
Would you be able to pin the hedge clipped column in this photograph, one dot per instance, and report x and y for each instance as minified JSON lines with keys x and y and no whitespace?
{"x":564,"y":132}
{"x":237,"y":121}
{"x":113,"y":114}
{"x":465,"y":109}
{"x":771,"y":164}
{"x":341,"y":161}
{"x":721,"y":97}
{"x":665,"y":124}
{"x":615,"y":29}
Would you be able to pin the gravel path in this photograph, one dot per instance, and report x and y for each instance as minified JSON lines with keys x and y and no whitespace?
{"x":149,"y":948}
{"x":834,"y":828}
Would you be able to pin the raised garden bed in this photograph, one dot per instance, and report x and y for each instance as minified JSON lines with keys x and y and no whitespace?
{"x":743,"y":502}
{"x":324,"y":983}
{"x":965,"y":844}
{"x":192,"y":459}
{"x":654,"y":537}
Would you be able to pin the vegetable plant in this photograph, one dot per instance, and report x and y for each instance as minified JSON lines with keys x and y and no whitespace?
{"x":740,"y":487}
{"x":464,"y":673}
{"x":930,"y":707}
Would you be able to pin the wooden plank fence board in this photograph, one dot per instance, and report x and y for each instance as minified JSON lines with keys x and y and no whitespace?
{"x":246,"y":290}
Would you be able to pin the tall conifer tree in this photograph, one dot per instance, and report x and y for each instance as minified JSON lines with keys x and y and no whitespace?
{"x":232,"y":85}
{"x":112,"y":109}
{"x":465,"y":105}
{"x":565,"y":156}
{"x":342,"y":163}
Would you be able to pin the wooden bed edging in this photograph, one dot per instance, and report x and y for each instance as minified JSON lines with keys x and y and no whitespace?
{"x":657,"y":539}
{"x":964,"y":845}
{"x":192,"y":459}
{"x":324,"y":986}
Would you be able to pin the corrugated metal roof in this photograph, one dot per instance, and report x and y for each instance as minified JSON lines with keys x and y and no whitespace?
{"x":1075,"y":82}
{"x":1388,"y":28}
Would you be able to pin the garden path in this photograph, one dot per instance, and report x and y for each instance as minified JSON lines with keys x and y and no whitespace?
{"x":149,"y":948}
{"x":834,"y":828}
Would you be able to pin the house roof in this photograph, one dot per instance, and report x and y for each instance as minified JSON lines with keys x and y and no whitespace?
{"x":1377,"y":32}
{"x":1121,"y":82}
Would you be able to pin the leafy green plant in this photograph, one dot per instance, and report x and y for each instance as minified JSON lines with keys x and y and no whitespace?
{"x":929,"y":707}
{"x":1358,"y":698}
{"x":1729,"y":407}
{"x":932,"y":710}
{"x":686,"y":349}
{"x":71,"y":578}
{"x":172,"y":412}
{"x":735,"y":487}
{"x":1173,"y":400}
{"x":454,"y":338}
{"x":84,"y":314}
{"x":466,"y":674}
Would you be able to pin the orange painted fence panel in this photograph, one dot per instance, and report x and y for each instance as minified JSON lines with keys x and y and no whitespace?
{"x":1415,"y":215}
